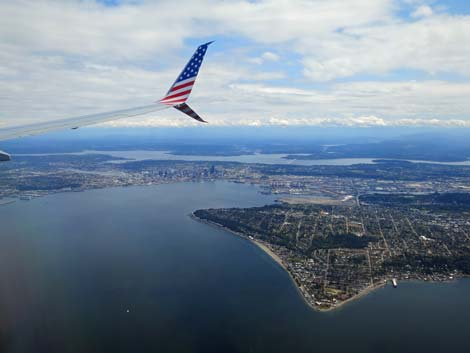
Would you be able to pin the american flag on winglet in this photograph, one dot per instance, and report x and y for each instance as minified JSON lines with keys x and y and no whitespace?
{"x":179,"y":92}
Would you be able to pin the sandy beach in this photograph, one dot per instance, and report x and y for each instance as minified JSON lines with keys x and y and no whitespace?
{"x":4,"y":203}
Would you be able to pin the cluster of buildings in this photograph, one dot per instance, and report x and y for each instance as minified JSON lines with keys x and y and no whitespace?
{"x":337,"y":252}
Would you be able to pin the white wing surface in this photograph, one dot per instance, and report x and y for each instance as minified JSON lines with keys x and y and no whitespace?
{"x":76,"y":122}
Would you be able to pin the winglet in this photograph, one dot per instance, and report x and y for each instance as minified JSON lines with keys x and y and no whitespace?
{"x":181,"y":89}
{"x":184,"y":108}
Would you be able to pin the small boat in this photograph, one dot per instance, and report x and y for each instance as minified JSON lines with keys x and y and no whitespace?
{"x":394,"y":282}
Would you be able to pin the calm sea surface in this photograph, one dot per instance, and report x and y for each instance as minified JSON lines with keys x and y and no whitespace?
{"x":249,"y":158}
{"x":126,"y":270}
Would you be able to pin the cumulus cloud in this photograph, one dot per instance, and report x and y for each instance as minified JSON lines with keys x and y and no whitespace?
{"x":422,"y":11}
{"x":434,"y":45}
{"x":278,"y":21}
{"x":269,"y":56}
{"x":408,"y":103}
{"x":359,"y":121}
{"x":266,"y":56}
{"x":65,"y":58}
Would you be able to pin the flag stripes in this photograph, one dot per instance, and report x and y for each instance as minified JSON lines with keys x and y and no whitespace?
{"x":180,"y":90}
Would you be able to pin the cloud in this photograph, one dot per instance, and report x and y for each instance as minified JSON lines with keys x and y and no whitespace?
{"x":430,"y":103}
{"x":266,"y":56}
{"x":359,"y":121}
{"x":316,"y":62}
{"x":422,"y":11}
{"x":269,"y":56}
{"x":278,"y":21}
{"x":434,"y":45}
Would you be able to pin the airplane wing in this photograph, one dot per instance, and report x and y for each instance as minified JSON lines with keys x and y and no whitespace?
{"x":76,"y":122}
{"x":176,"y":97}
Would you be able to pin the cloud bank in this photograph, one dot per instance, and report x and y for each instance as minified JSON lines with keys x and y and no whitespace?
{"x":275,"y":62}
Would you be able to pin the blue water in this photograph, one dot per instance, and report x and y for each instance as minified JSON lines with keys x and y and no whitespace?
{"x":126,"y":270}
{"x":248,"y":158}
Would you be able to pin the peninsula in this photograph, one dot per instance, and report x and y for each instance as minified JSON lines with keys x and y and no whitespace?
{"x":335,"y":253}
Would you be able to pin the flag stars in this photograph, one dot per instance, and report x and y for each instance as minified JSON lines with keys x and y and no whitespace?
{"x":192,"y":68}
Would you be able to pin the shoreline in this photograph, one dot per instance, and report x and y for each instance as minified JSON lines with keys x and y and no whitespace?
{"x":9,"y":202}
{"x":281,"y":263}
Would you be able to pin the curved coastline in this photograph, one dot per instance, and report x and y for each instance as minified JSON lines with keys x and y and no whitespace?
{"x":281,"y":263}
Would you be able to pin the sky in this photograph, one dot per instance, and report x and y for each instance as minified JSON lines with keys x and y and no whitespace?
{"x":274,"y":62}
